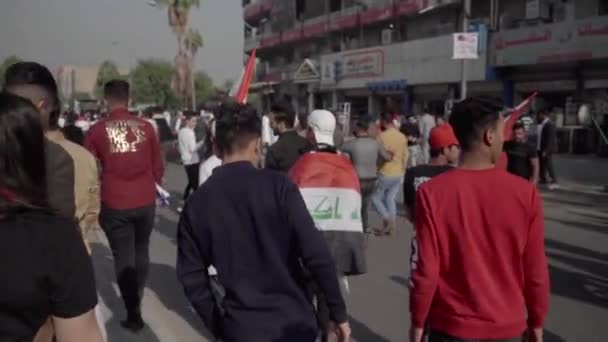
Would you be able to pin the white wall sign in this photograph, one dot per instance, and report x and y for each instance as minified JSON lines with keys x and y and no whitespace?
{"x":466,"y":45}
{"x":532,"y":9}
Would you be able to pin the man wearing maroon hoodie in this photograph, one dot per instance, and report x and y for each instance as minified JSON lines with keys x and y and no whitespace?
{"x":131,"y":164}
{"x":480,"y":264}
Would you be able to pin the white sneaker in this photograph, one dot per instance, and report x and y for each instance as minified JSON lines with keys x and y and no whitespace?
{"x":553,"y":186}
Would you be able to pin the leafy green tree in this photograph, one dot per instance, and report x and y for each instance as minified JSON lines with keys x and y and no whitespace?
{"x":6,"y":64}
{"x":107,"y":71}
{"x":203,"y":85}
{"x":151,"y":82}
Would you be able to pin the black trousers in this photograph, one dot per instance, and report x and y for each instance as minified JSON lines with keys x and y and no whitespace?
{"x":546,"y":167}
{"x":192,"y":171}
{"x":436,"y":336}
{"x":367,"y":189}
{"x":128,"y":233}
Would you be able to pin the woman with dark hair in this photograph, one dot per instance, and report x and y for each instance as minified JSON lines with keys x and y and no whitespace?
{"x":49,"y":287}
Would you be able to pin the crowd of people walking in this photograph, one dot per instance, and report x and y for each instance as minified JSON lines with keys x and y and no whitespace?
{"x":275,"y":216}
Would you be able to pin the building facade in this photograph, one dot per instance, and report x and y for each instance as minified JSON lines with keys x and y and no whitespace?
{"x":396,"y":55}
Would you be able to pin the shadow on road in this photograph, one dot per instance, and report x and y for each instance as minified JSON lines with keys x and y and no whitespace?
{"x":163,"y":281}
{"x":403,"y":281}
{"x":361,"y":333}
{"x":582,"y":222}
{"x":576,"y":199}
{"x":564,"y":247}
{"x":166,"y":227}
{"x":104,"y":266}
{"x":579,"y":286}
{"x":589,"y":283}
{"x":551,"y":337}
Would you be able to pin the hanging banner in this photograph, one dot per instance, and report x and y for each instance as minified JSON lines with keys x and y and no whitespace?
{"x":466,"y":45}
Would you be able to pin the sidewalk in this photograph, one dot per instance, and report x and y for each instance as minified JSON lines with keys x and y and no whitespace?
{"x":584,"y":173}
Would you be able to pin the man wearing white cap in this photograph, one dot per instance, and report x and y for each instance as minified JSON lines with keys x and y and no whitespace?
{"x":330,"y":187}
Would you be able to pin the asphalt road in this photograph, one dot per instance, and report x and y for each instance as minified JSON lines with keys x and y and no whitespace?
{"x":576,"y":243}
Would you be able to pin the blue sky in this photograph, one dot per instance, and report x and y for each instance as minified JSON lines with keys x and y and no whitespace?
{"x":87,"y":32}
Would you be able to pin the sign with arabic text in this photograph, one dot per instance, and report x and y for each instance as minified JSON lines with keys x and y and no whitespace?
{"x":466,"y":45}
{"x":552,"y":43}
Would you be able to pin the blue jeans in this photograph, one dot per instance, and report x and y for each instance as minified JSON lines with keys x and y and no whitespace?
{"x":385,"y":197}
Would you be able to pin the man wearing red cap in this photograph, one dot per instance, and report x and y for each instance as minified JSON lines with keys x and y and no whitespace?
{"x":444,"y":151}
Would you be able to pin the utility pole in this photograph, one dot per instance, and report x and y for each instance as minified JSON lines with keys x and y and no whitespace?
{"x":466,"y":14}
{"x":192,"y":85}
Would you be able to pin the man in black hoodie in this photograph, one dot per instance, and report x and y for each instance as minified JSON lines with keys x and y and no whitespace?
{"x":285,"y":152}
{"x":254,"y":228}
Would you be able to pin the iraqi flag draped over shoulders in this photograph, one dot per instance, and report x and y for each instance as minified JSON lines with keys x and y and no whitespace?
{"x":330,"y":187}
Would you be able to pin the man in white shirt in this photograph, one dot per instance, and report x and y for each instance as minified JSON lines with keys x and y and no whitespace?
{"x":426,"y":124}
{"x":188,"y":150}
{"x":213,"y":161}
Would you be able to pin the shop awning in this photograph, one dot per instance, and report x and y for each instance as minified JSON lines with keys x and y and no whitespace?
{"x":383,"y":86}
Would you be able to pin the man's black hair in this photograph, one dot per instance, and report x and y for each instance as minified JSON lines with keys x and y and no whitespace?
{"x":363,"y":123}
{"x":436,"y":108}
{"x":386,"y":117}
{"x":32,"y":73}
{"x":519,"y":125}
{"x":472,"y":116}
{"x":283,"y":112}
{"x":117,"y":90}
{"x":188,"y":114}
{"x":436,"y":153}
{"x":236,"y":125}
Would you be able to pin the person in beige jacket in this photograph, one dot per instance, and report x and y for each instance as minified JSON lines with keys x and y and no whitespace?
{"x":86,"y":185}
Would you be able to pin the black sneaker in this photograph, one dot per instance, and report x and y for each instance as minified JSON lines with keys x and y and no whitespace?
{"x":134,"y":324}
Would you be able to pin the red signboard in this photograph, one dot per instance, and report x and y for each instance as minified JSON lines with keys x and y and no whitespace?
{"x":313,"y":30}
{"x":266,"y":5}
{"x":406,"y":7}
{"x":276,"y":76}
{"x":292,"y":36}
{"x":270,"y":41}
{"x":257,"y":9}
{"x":344,"y":22}
{"x":373,"y":15}
{"x":252,"y":10}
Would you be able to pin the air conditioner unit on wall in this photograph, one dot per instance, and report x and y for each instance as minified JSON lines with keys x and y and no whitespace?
{"x":387,"y":36}
{"x":538,"y":9}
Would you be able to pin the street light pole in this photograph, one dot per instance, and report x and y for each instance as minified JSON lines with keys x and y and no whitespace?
{"x":192,"y":84}
{"x":466,"y":13}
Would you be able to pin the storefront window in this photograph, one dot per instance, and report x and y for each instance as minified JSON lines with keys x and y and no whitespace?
{"x":603,"y":7}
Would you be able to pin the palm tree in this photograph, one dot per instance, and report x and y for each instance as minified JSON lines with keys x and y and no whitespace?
{"x":188,"y":43}
{"x":178,"y":12}
{"x":183,"y":80}
{"x":193,"y":42}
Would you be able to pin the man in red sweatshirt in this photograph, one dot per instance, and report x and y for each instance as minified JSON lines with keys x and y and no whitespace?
{"x":131,"y":164}
{"x":480,"y":263}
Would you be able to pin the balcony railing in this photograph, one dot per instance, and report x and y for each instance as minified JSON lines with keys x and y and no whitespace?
{"x":347,"y":19}
{"x":257,"y":10}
